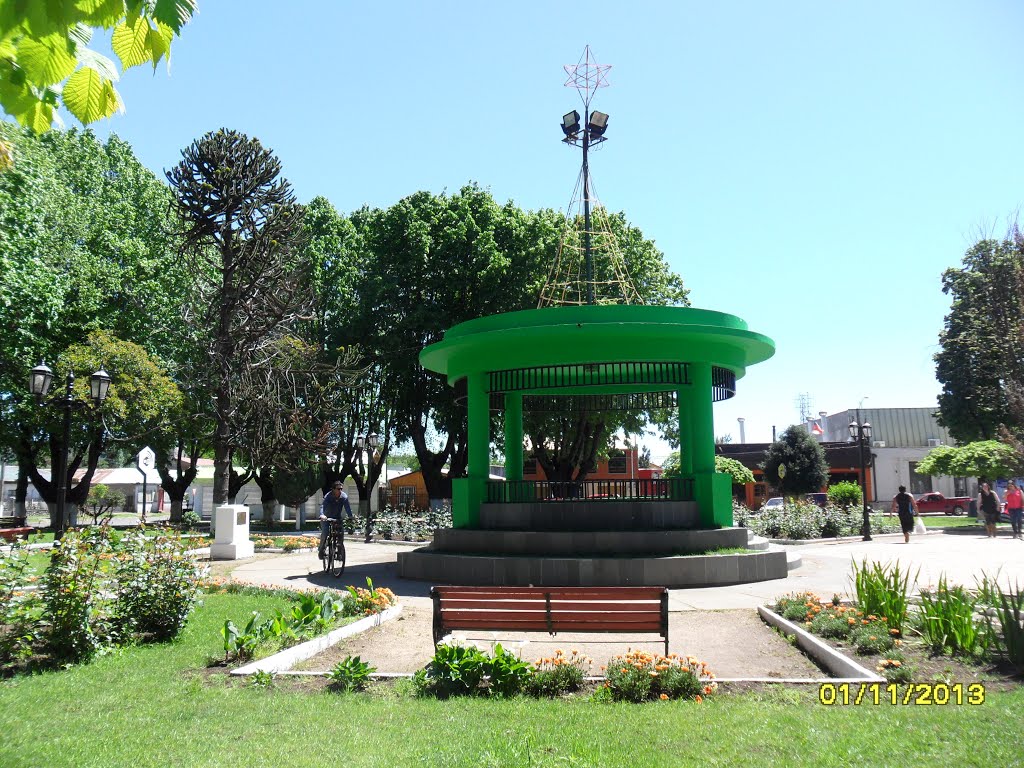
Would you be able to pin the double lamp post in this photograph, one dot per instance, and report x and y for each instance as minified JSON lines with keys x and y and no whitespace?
{"x":861,"y":432}
{"x":39,"y":383}
{"x":369,"y":444}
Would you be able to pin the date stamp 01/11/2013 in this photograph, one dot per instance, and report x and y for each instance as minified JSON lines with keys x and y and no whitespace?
{"x":920,"y":694}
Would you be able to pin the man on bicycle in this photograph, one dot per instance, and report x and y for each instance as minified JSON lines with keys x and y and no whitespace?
{"x":330,"y":511}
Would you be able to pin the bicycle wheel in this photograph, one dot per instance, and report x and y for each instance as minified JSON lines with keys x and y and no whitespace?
{"x":327,"y":558}
{"x":338,"y":566}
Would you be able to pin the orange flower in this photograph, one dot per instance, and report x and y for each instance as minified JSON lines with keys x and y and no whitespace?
{"x":698,"y":698}
{"x":663,"y":696}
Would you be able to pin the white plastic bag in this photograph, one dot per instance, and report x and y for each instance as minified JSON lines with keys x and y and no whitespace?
{"x":919,"y":526}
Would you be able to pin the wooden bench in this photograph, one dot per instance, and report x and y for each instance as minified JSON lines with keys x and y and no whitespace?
{"x":11,"y":534}
{"x":625,"y":610}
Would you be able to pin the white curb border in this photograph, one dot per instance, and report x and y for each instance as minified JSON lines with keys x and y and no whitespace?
{"x":836,"y":663}
{"x":289,"y":657}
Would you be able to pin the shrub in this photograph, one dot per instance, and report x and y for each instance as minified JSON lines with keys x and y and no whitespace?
{"x":458,"y":670}
{"x":558,"y":675}
{"x":1009,"y":612}
{"x":640,"y":676}
{"x":20,"y":610}
{"x":351,"y":674}
{"x":312,"y":614}
{"x":74,"y":590}
{"x":157,"y":586}
{"x":948,"y":623}
{"x":873,"y":638}
{"x":804,"y":520}
{"x":833,"y":622}
{"x":368,"y":601}
{"x":883,"y":590}
{"x":845,"y":494}
{"x":190,"y":519}
{"x":895,"y":669}
{"x":796,"y":606}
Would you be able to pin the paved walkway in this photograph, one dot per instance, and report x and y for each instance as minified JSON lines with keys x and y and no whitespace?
{"x":825,"y":569}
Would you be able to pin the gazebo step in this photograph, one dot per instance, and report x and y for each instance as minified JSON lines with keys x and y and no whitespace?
{"x":623,"y":515}
{"x":650,"y":543}
{"x":493,"y":570}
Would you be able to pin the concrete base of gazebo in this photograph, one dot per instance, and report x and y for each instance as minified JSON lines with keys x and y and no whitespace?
{"x":588,"y":545}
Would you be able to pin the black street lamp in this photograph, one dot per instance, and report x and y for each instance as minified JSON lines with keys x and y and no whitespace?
{"x":369,"y":443}
{"x":861,"y":432}
{"x":39,"y":383}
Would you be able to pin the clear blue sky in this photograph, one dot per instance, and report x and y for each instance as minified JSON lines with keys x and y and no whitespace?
{"x":812,"y":167}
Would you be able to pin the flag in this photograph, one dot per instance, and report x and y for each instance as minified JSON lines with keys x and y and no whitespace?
{"x":816,"y":428}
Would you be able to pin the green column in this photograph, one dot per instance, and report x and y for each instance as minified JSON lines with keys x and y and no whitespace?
{"x":684,"y":402}
{"x":713,"y":492}
{"x":702,"y":420}
{"x":478,"y":452}
{"x":513,"y":436}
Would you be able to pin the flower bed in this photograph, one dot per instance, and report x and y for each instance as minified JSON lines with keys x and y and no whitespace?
{"x":951,"y":635}
{"x":637,"y":676}
{"x":102,"y":588}
{"x":803,"y":520}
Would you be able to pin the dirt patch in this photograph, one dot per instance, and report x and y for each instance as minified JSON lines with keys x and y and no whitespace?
{"x":735,"y":644}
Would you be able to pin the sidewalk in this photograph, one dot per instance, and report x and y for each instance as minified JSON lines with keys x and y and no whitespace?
{"x":825,"y":570}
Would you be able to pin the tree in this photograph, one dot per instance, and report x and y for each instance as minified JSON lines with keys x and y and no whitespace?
{"x":243,"y":240}
{"x":740,"y":474}
{"x":981,"y":363}
{"x":723,"y":464}
{"x":45,"y":62}
{"x":984,"y":459}
{"x":433,"y":261}
{"x":84,"y":246}
{"x":806,"y":468}
{"x":101,"y":502}
{"x":337,"y":253}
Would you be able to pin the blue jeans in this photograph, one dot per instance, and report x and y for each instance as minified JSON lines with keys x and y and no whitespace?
{"x":324,"y":528}
{"x":1016,"y":519}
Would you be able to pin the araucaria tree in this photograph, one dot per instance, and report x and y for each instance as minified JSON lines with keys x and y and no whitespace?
{"x":243,"y":238}
{"x":806,"y":468}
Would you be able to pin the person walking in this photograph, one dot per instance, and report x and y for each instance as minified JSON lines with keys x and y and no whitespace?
{"x":1015,"y":507}
{"x":988,"y":504}
{"x":903,"y":504}
{"x":334,"y":503}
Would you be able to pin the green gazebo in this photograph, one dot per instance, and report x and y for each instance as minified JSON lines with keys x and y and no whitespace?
{"x":620,"y":356}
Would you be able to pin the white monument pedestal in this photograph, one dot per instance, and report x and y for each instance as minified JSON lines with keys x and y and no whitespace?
{"x":231,"y":540}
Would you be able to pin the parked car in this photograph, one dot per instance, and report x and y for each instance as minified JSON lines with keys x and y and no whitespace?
{"x":775,"y":502}
{"x":936,"y":502}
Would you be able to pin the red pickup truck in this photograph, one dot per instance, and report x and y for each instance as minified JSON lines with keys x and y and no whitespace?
{"x":936,"y":502}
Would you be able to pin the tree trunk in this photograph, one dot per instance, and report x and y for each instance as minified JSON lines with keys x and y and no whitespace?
{"x":176,"y":485}
{"x":268,"y":497}
{"x":20,"y":494}
{"x":431,"y":464}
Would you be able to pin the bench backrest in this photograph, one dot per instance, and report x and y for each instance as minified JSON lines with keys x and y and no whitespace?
{"x":551,"y":609}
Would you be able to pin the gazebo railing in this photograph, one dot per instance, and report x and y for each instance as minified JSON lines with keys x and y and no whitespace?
{"x":637,"y":489}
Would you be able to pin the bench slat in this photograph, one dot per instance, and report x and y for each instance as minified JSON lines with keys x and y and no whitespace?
{"x":452,"y":616}
{"x":527,"y":625}
{"x":499,"y":593}
{"x":556,"y":605}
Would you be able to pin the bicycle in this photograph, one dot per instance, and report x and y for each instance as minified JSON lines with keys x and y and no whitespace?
{"x":333,"y":556}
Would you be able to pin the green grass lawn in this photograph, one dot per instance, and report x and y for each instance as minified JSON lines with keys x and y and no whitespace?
{"x":947,"y":521}
{"x":148,"y":706}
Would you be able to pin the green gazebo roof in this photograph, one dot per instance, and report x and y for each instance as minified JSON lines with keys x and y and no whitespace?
{"x":552,"y":343}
